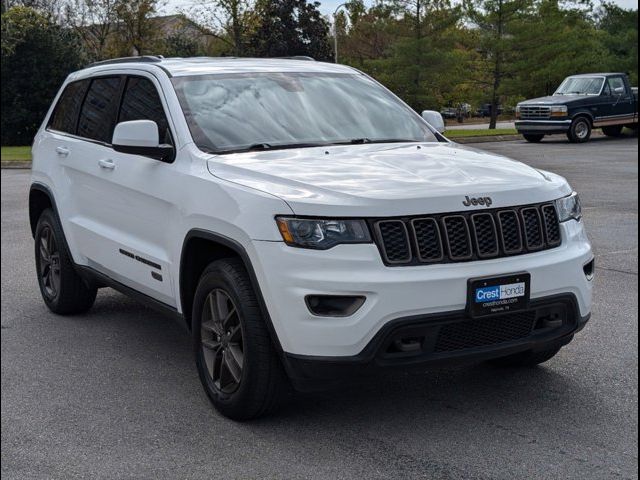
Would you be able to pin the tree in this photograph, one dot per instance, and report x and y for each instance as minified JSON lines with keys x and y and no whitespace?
{"x":136,"y":32}
{"x":288,"y":28}
{"x":230,"y":21}
{"x":620,"y":37}
{"x":94,"y":22}
{"x":571,"y":45}
{"x":37,"y":55}
{"x":494,"y":23}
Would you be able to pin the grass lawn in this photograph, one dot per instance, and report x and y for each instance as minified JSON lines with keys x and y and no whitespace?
{"x":480,"y":132}
{"x":16,"y":154}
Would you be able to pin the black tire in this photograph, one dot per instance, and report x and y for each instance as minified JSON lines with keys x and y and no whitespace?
{"x":527,"y":359}
{"x":261,"y":381}
{"x":62,"y":289}
{"x":533,"y":138}
{"x":580,"y":131}
{"x":613,"y":131}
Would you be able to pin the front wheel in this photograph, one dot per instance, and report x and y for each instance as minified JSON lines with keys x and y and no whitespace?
{"x":533,"y":138}
{"x":580,"y":131}
{"x":236,"y":360}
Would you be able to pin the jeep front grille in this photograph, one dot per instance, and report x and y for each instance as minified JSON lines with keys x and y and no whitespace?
{"x":531,"y":112}
{"x":465,"y":236}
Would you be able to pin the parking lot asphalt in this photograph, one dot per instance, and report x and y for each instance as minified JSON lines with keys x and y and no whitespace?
{"x":114,"y":393}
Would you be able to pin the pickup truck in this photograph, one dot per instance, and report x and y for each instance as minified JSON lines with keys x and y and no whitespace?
{"x":580,"y":104}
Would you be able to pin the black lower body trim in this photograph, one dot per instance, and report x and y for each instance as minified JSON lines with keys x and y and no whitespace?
{"x":445,"y":339}
{"x":100,"y":280}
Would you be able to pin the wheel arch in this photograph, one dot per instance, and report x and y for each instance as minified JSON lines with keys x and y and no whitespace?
{"x":40,"y":198}
{"x":201,"y":247}
{"x":585,"y":114}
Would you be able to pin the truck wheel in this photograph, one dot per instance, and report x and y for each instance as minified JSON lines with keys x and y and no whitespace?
{"x":527,"y":359}
{"x":62,"y":289}
{"x":237,"y":363}
{"x":533,"y":138}
{"x":580,"y":131}
{"x":613,"y":131}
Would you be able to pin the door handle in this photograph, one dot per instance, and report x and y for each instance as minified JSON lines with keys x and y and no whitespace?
{"x":62,"y":151}
{"x":107,"y":164}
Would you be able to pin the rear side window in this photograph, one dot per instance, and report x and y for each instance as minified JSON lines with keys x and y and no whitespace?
{"x":142,"y":102}
{"x":98,"y":113}
{"x":65,"y":114}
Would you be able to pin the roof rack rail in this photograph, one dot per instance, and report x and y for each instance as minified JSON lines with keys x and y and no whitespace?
{"x":142,"y":59}
{"x":299,"y":57}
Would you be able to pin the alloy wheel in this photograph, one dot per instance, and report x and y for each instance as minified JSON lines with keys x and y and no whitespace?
{"x":49,"y":263}
{"x":222,"y":341}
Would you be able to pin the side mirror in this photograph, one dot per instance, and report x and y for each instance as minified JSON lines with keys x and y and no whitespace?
{"x":140,"y":137}
{"x":619,"y":90}
{"x":434,"y":119}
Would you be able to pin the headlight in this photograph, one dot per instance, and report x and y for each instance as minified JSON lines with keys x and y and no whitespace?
{"x":322,"y":234}
{"x":517,"y":111}
{"x":559,"y":111}
{"x":569,"y":208}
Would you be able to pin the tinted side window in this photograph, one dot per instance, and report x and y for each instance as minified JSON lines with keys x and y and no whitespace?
{"x":142,"y":102}
{"x":98,"y":113}
{"x":65,"y":115}
{"x":617,"y":83}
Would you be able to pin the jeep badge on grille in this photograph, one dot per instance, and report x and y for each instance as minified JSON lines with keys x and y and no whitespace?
{"x":467,"y":202}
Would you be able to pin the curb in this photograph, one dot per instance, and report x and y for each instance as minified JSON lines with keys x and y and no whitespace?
{"x":15,"y":165}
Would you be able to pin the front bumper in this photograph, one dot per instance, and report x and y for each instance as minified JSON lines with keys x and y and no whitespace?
{"x":287,"y":275}
{"x":543,"y":126}
{"x":447,"y":338}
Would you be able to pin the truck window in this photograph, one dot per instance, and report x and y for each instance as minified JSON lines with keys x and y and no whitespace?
{"x":617,"y":86}
{"x":142,"y":102}
{"x":65,"y":114}
{"x":98,"y":113}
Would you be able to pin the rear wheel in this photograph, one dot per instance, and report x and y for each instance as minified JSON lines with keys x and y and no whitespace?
{"x":613,"y":131}
{"x":580,"y":131}
{"x":62,"y":289}
{"x":527,"y":359}
{"x":533,"y":138}
{"x":237,"y":363}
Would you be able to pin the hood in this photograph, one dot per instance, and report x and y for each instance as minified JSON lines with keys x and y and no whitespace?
{"x":387,"y":180}
{"x":557,"y":100}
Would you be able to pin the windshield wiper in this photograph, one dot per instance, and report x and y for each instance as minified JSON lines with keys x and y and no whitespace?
{"x":362,"y":141}
{"x":268,"y":146}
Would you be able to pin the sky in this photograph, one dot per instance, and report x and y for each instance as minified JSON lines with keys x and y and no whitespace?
{"x":327,"y":7}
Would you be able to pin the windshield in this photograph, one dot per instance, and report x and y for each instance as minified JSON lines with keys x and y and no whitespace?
{"x":581,"y":86}
{"x":236,"y":112}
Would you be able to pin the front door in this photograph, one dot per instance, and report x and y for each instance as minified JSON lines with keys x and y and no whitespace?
{"x":619,"y":108}
{"x":121,"y":219}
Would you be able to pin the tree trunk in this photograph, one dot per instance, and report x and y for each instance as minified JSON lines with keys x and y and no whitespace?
{"x":497,"y":71}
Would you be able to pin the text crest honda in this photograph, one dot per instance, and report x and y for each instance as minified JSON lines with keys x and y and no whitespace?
{"x":302,"y":221}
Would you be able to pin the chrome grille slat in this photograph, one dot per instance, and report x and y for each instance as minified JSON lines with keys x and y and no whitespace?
{"x":533,"y":112}
{"x":465,"y":236}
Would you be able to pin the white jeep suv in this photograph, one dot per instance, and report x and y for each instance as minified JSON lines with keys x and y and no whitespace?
{"x":302,"y":221}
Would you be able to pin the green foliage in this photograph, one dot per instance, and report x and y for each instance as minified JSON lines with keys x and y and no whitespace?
{"x":571,"y":45}
{"x":180,"y":45}
{"x":619,"y":30}
{"x":288,"y":28}
{"x":136,"y":33}
{"x":37,"y":55}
